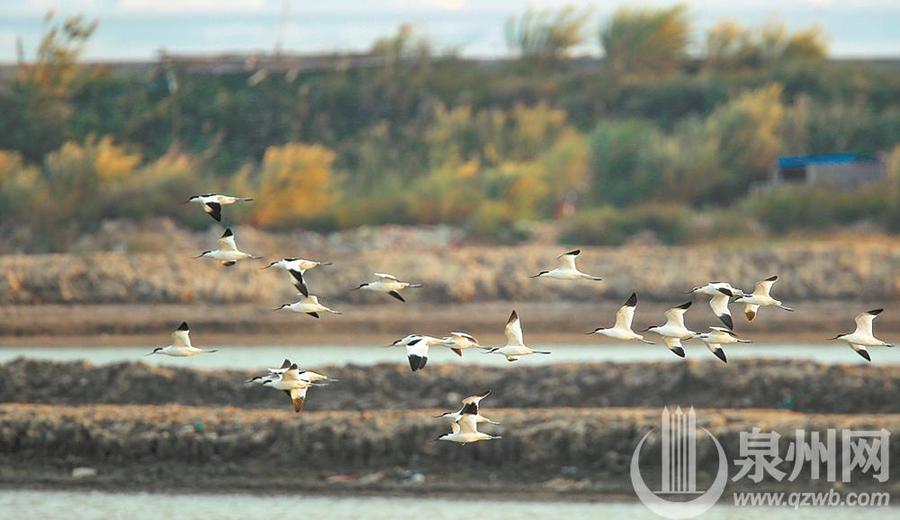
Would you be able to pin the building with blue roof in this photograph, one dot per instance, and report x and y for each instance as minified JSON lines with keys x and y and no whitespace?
{"x":840,"y":169}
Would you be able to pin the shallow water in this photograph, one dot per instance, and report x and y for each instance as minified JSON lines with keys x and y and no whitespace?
{"x":246,"y":357}
{"x":95,"y":504}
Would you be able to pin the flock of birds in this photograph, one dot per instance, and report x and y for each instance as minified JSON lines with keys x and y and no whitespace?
{"x":295,"y":382}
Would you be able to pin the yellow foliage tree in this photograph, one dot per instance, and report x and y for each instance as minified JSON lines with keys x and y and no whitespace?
{"x":20,"y":187}
{"x":296,"y":184}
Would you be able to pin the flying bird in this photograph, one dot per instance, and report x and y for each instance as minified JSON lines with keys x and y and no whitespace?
{"x":297,"y":267}
{"x":470,"y":406}
{"x":673,"y":330}
{"x":567,"y":269}
{"x":212,"y":203}
{"x":181,"y":344}
{"x":459,"y":341}
{"x":718,"y":336}
{"x":864,"y":335}
{"x":712,"y":289}
{"x":290,"y":382}
{"x":416,"y":349}
{"x":309,"y":304}
{"x":228,"y":252}
{"x":465,"y":431}
{"x":389,"y":284}
{"x":515,"y":342}
{"x":622,"y":328}
{"x":308,"y":375}
{"x":760,"y":298}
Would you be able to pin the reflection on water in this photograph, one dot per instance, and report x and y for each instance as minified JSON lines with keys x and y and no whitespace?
{"x":90,"y":505}
{"x":250,"y":357}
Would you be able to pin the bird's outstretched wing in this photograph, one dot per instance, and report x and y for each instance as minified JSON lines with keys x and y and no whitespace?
{"x":214,"y":210}
{"x":625,"y":314}
{"x":567,"y":260}
{"x":763,"y":287}
{"x":226,"y":242}
{"x":181,"y":337}
{"x":513,"y":331}
{"x":386,"y":276}
{"x":865,"y":320}
{"x":675,"y":315}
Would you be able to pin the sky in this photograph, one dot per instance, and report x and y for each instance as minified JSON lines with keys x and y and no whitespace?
{"x":139,"y":29}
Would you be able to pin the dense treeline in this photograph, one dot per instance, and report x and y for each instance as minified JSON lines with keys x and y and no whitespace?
{"x":639,"y":140}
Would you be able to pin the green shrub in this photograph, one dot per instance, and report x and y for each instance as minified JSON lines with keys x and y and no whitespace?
{"x":610,"y":226}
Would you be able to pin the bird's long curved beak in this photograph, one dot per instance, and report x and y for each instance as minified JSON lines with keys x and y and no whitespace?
{"x":149,"y":354}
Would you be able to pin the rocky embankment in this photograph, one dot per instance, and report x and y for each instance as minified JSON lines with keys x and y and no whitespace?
{"x":809,"y":272}
{"x":550,"y":451}
{"x":795,"y":385}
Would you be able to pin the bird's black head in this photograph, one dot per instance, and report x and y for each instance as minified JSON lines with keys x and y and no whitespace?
{"x":360,"y":286}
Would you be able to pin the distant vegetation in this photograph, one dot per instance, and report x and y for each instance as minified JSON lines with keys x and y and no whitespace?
{"x":664,"y":134}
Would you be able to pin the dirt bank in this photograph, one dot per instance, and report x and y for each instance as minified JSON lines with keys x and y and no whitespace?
{"x":559,"y":450}
{"x":796,"y":385}
{"x":809,"y":271}
{"x":556,"y":322}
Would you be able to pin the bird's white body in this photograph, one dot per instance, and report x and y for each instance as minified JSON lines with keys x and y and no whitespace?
{"x":718,"y":336}
{"x":460,"y":341}
{"x":297,"y":264}
{"x":622,"y":328}
{"x":212,"y":203}
{"x":217,"y":198}
{"x":864,"y":335}
{"x":760,"y":297}
{"x":308,"y":305}
{"x":567,"y":269}
{"x":712,"y":289}
{"x":389,"y":284}
{"x":465,"y":430}
{"x":181,"y":345}
{"x":228,"y":252}
{"x":674,"y":330}
{"x":515,"y":342}
{"x":674,"y":326}
{"x":306,"y":375}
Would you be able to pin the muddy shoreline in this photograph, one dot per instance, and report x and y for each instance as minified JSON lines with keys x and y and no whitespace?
{"x":258,"y":324}
{"x":795,"y":385}
{"x":564,"y":451}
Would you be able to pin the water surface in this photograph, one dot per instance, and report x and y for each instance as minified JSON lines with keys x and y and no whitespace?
{"x":94,"y":504}
{"x":249,"y":357}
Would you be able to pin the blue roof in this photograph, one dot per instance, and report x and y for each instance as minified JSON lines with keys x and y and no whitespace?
{"x":796,"y":161}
